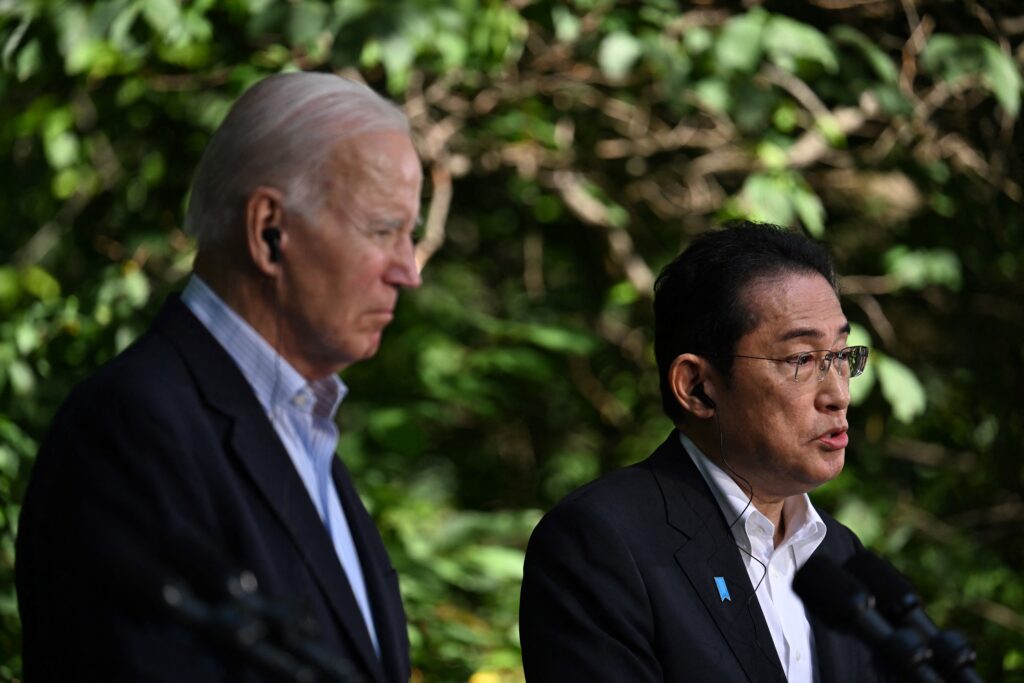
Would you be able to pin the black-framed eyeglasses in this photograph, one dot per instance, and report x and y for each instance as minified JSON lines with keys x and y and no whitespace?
{"x":807,"y":364}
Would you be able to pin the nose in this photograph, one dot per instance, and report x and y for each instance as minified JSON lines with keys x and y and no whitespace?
{"x":403,"y":271}
{"x":834,"y":389}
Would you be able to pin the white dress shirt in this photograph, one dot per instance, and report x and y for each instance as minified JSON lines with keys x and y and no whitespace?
{"x":302,"y":414}
{"x":771,"y":569}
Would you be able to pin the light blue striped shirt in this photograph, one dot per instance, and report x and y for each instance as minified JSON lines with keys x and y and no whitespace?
{"x":302,"y":414}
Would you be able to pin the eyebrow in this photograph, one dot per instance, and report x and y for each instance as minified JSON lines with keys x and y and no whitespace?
{"x":391,"y":223}
{"x":810,"y":332}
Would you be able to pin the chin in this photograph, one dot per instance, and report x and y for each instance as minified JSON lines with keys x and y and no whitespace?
{"x":364,"y":351}
{"x":832,"y":466}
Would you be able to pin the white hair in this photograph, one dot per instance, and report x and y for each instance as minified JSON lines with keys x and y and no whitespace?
{"x":280,"y":133}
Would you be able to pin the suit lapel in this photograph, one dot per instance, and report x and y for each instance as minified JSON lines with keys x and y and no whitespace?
{"x":376,"y":572}
{"x":262,"y":455}
{"x":710,"y":553}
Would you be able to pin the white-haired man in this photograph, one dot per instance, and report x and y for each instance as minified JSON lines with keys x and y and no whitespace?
{"x":209,"y":445}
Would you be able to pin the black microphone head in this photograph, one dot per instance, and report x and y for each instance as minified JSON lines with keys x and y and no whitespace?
{"x":206,"y":567}
{"x":272,"y":236}
{"x":830,"y":592}
{"x":699,"y":392}
{"x":894,"y":593}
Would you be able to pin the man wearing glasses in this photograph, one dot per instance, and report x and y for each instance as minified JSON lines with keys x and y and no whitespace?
{"x":680,"y":567}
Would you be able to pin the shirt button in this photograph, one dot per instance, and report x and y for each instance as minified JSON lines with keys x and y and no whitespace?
{"x":300,"y":400}
{"x":798,"y":655}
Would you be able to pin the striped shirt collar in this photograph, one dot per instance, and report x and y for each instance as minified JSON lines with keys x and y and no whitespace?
{"x":277,"y":385}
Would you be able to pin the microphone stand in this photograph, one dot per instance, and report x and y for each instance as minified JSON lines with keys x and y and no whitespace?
{"x":240,"y":632}
{"x":225,"y":606}
{"x":841,"y":600}
{"x":953,"y":655}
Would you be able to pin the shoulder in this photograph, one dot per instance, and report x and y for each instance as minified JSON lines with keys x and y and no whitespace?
{"x":146,"y":375}
{"x":618,"y":518}
{"x":168,"y":366}
{"x":145,"y":399}
{"x":618,"y":497}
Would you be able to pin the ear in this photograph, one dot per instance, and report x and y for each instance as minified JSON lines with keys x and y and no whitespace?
{"x":264,"y":209}
{"x":687,"y":373}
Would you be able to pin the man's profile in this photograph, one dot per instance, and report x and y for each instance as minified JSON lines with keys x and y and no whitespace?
{"x":211,"y":440}
{"x":679,"y":568}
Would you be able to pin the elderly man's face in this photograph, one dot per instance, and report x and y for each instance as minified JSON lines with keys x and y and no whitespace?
{"x":342,"y":276}
{"x":786,"y":437}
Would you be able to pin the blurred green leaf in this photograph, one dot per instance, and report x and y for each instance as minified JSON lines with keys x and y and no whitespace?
{"x":40,"y":284}
{"x":809,"y":209}
{"x":862,"y":519}
{"x":880,"y":62}
{"x":21,"y":377}
{"x":787,"y":41}
{"x":900,"y":387}
{"x":30,"y":59}
{"x":952,"y":57}
{"x":567,"y":26}
{"x":306,"y":20}
{"x":1003,"y":77}
{"x":738,"y":46}
{"x":162,"y":15}
{"x":714,"y":93}
{"x":619,"y":52}
{"x":921,"y":267}
{"x":397,"y":54}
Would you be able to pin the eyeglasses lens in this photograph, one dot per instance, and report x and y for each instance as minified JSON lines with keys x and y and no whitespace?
{"x":848,"y":363}
{"x":858,"y":358}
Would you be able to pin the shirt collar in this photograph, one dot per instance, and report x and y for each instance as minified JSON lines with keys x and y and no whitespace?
{"x":804,"y":527}
{"x":277,"y":385}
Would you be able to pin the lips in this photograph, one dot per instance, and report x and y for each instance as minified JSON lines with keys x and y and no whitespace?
{"x":835,"y":440}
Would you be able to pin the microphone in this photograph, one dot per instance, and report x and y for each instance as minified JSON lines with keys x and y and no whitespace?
{"x":897,"y":600}
{"x":152,"y":589}
{"x":838,"y":598}
{"x":290,"y":625}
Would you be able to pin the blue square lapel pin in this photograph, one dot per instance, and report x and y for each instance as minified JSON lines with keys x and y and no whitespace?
{"x":723,"y":590}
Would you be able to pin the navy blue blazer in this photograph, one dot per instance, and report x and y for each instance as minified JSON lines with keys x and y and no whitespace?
{"x":619,"y":585}
{"x":169,"y":438}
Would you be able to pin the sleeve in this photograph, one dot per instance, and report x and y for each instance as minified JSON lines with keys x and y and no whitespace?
{"x":584,"y":611}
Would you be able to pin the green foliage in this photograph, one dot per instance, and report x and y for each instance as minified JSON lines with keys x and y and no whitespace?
{"x":900,"y":387}
{"x":781,"y":197}
{"x":953,"y":58}
{"x":585,"y":142}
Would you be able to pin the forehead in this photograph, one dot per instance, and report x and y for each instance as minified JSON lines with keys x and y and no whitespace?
{"x":795,"y":306}
{"x":386,"y":156}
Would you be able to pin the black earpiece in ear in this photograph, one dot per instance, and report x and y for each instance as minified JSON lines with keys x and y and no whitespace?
{"x":272,"y":236}
{"x":699,"y":392}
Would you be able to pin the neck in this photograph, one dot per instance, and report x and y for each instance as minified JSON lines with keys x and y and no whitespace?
{"x":707,"y":439}
{"x":770,"y":507}
{"x":250,"y":295}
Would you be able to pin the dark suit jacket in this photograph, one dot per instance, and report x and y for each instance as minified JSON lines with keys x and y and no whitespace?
{"x":619,"y":585}
{"x":165,"y":439}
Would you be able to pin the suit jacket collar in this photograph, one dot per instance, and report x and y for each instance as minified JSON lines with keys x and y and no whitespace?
{"x":377,"y":570}
{"x":709,"y":554}
{"x":258,"y":449}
